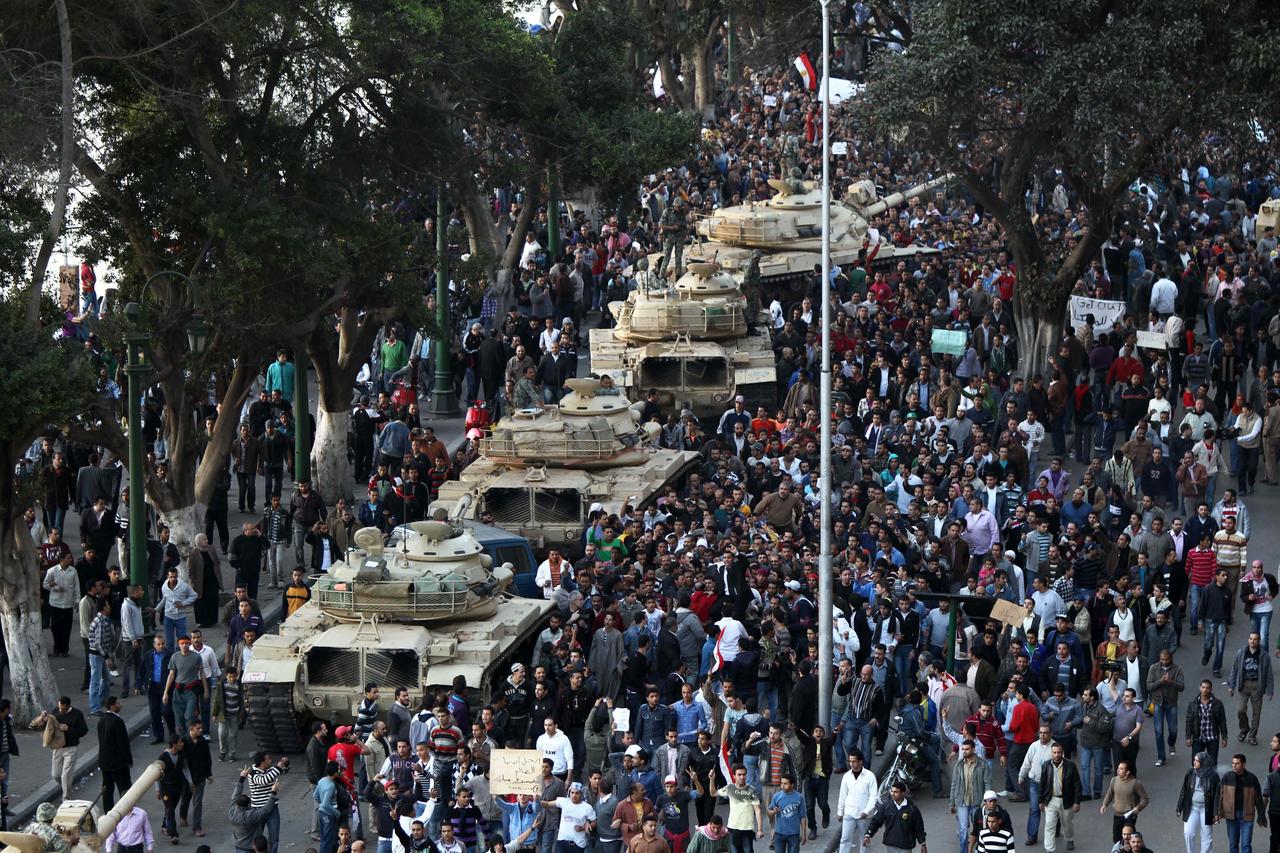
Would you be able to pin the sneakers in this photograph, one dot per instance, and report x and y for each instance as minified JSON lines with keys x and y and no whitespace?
{"x":1204,"y":660}
{"x":1159,"y":762}
{"x":879,"y":752}
{"x":826,"y":821}
{"x":1002,"y":793}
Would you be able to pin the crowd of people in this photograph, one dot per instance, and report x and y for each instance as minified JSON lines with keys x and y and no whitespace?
{"x":680,"y":666}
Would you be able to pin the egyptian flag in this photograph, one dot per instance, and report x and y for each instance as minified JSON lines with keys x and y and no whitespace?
{"x":717,"y":659}
{"x":726,"y":767}
{"x":807,"y":74}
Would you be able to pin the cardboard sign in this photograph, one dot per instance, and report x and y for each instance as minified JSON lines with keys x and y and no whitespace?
{"x":1105,"y":312}
{"x":770,"y":100}
{"x":949,"y":341}
{"x":839,"y":149}
{"x":515,"y":771}
{"x":1008,"y":612}
{"x":1152,"y":340}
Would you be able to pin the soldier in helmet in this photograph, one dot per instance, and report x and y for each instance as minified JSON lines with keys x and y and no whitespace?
{"x":674,"y":228}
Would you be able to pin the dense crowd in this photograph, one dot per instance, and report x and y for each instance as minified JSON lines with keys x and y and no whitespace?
{"x":680,"y":665}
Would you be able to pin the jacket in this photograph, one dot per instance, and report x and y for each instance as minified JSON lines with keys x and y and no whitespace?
{"x":1211,"y":795}
{"x":246,"y":822}
{"x":7,"y":735}
{"x":981,"y":782}
{"x":903,"y":824}
{"x":114,"y":753}
{"x":792,"y":759}
{"x":651,"y":724}
{"x":661,"y":761}
{"x":1096,"y":728}
{"x":1071,"y":788}
{"x":1160,"y":692}
{"x":1252,"y":799}
{"x":1266,"y":679}
{"x":1215,"y":709}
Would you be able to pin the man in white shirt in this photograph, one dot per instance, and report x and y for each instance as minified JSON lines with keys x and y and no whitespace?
{"x":1164,"y":294}
{"x":856,"y":802}
{"x":556,"y":748}
{"x":1033,"y":435}
{"x":212,"y":671}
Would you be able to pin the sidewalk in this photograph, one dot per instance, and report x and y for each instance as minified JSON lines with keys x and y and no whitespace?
{"x":30,"y":783}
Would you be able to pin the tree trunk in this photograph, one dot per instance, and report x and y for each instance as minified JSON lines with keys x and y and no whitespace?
{"x":184,"y":523}
{"x":34,"y":689}
{"x":330,"y":468}
{"x":485,"y":239}
{"x":1039,"y":333}
{"x":704,"y":83}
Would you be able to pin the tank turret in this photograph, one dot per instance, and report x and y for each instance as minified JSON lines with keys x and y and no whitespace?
{"x":705,"y":303}
{"x":593,"y":427}
{"x":788,"y":230}
{"x":699,"y":342}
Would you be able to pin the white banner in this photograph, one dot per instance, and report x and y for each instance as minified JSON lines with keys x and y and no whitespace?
{"x":1152,"y":340}
{"x":1105,"y":312}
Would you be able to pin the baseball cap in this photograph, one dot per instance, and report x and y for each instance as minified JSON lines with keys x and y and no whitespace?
{"x":576,"y":786}
{"x":739,"y":399}
{"x":633,"y":750}
{"x":793,"y":585}
{"x":341,"y":731}
{"x":671,"y":780}
{"x":989,"y":795}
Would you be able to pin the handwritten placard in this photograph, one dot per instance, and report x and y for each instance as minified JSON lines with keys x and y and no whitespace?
{"x":1008,"y":612}
{"x":515,"y":771}
{"x":949,"y":342}
{"x":622,"y":719}
{"x":1105,"y":312}
{"x":1152,"y":340}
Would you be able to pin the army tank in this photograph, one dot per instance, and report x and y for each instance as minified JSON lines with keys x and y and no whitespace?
{"x":416,"y":613}
{"x":699,"y":343}
{"x":787,"y":229}
{"x":542,"y":469}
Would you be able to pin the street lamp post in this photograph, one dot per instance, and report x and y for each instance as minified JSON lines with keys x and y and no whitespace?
{"x":825,"y":585}
{"x":444,"y":400}
{"x":136,"y":370}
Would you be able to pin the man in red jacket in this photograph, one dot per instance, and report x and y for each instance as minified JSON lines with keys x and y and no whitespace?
{"x":1024,"y":726}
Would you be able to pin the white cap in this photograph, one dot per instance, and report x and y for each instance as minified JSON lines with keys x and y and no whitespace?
{"x":633,"y":750}
{"x":793,"y":585}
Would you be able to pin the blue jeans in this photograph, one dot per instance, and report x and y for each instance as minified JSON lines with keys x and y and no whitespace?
{"x":384,"y":845}
{"x":1240,"y":835}
{"x":1261,"y":623}
{"x":99,"y":682}
{"x":752,"y":763}
{"x":767,"y":697}
{"x":863,"y":736}
{"x":1211,"y":489}
{"x":272,"y":481}
{"x":1166,"y":719}
{"x":1194,"y":592}
{"x":1094,"y":757}
{"x":964,"y":819}
{"x":786,"y":843}
{"x":173,"y":629}
{"x":186,"y":708}
{"x":328,"y":825}
{"x":54,"y":518}
{"x":1033,"y":803}
{"x":1215,"y":637}
{"x":816,"y":790}
{"x":902,"y":661}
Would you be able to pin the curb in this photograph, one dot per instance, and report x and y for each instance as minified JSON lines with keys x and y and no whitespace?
{"x":87,"y":762}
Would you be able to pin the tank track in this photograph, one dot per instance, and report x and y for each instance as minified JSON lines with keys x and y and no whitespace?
{"x":275,"y":723}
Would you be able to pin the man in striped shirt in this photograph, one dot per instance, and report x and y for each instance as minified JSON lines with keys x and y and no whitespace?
{"x":866,"y":702}
{"x":995,"y":838}
{"x":262,"y":776}
{"x":1201,"y":566}
{"x":1232,"y":550}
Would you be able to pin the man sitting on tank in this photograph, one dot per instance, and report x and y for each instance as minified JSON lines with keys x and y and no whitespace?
{"x":607,"y":388}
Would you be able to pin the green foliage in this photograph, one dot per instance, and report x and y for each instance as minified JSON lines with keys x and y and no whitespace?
{"x":22,"y":217}
{"x":42,"y":381}
{"x":1095,"y":88}
{"x":612,"y":136}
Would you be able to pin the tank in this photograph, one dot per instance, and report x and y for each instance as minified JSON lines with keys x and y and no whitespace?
{"x":691,"y":342}
{"x":787,"y":230}
{"x":428,"y":606}
{"x":84,"y":820}
{"x":540,"y":471}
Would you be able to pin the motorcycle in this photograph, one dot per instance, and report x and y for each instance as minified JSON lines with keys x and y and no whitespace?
{"x":910,"y":766}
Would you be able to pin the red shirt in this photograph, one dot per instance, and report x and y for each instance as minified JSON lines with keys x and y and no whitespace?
{"x":347,"y":755}
{"x":1024,"y":723}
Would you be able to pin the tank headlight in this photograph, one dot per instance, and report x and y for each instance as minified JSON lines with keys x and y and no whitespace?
{"x":570,"y":534}
{"x":317,"y":701}
{"x":720,"y":398}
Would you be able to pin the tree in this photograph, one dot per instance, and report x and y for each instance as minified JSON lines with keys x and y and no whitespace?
{"x":1000,"y":90}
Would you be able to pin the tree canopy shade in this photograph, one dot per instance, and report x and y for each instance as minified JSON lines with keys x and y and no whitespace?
{"x":1104,"y":91}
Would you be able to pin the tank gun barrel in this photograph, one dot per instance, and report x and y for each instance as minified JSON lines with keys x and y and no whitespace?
{"x":108,"y":822}
{"x":895,"y":199}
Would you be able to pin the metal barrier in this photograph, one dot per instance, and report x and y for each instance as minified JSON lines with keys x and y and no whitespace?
{"x":394,"y":601}
{"x":551,"y":446}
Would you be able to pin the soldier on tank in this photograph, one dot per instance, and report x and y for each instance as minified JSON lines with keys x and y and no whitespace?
{"x":751,"y":290}
{"x":674,"y":227}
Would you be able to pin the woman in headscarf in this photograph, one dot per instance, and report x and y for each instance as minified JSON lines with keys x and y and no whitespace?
{"x":608,"y":656}
{"x":1197,"y":802}
{"x":204,"y":573}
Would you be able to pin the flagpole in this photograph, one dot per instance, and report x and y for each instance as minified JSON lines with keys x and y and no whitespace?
{"x":825,"y":591}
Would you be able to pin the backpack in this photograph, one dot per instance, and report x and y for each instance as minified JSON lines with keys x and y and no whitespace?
{"x":342,"y":797}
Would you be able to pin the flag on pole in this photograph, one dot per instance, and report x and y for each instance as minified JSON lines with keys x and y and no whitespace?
{"x":726,"y":766}
{"x":807,"y":74}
